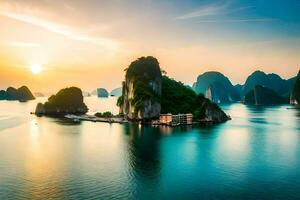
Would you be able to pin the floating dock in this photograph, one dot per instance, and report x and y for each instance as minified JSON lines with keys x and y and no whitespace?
{"x":92,"y":118}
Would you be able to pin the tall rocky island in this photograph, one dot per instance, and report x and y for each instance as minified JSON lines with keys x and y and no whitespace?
{"x":216,"y":87}
{"x":147,"y":94}
{"x":141,"y":90}
{"x":66,"y":101}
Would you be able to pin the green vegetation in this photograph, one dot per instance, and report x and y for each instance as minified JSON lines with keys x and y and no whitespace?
{"x":178,"y":98}
{"x":120,"y":101}
{"x":105,"y":114}
{"x":145,"y":68}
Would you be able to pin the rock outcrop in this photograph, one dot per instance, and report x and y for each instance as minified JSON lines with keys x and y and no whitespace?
{"x":142,"y":89}
{"x":216,"y":87}
{"x":261,"y":95}
{"x":101,"y":92}
{"x":24,"y":94}
{"x":295,"y":96}
{"x":21,"y":94}
{"x":39,"y":94}
{"x":66,"y":101}
{"x":213,"y":113}
{"x":3,"y":95}
{"x":40,"y":109}
{"x":12,"y":93}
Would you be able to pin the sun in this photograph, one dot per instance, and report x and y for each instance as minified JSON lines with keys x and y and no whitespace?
{"x":36,"y":69}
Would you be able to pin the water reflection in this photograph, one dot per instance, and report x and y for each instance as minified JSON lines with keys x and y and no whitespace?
{"x":297,"y":121}
{"x":144,"y":149}
{"x":144,"y":156}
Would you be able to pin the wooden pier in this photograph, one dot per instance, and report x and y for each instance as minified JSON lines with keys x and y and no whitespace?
{"x":92,"y":118}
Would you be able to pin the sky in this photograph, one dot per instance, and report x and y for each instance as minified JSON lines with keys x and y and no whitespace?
{"x":51,"y":44}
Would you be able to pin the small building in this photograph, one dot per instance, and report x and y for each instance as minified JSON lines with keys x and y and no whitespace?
{"x":293,"y":102}
{"x":165,"y":118}
{"x":180,"y":119}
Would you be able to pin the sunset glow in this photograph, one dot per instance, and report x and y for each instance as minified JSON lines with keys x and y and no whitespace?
{"x":99,"y":39}
{"x":36,"y":69}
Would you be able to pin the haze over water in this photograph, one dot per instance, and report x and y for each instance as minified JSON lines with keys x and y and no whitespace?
{"x":254,"y":156}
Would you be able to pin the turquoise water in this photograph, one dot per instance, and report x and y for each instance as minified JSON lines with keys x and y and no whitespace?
{"x":254,"y":156}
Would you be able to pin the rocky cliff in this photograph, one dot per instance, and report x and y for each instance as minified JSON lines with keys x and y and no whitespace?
{"x":213,"y":113}
{"x":142,"y":89}
{"x":295,"y":96}
{"x":261,"y":95}
{"x":216,"y":87}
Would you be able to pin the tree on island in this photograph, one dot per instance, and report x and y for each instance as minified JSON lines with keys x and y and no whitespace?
{"x":104,"y":114}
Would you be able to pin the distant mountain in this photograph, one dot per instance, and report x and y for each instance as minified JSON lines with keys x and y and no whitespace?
{"x":261,"y":95}
{"x":101,"y":92}
{"x":20,"y":94}
{"x":272,"y":81}
{"x":94,"y":93}
{"x":295,"y":96}
{"x":116,"y":92}
{"x":39,"y":94}
{"x":216,"y":87}
{"x":86,"y":94}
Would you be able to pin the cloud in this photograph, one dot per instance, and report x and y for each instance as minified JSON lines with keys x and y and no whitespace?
{"x":31,"y":16}
{"x":23,"y":44}
{"x":212,"y":10}
{"x":237,"y":20}
{"x":204,"y":11}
